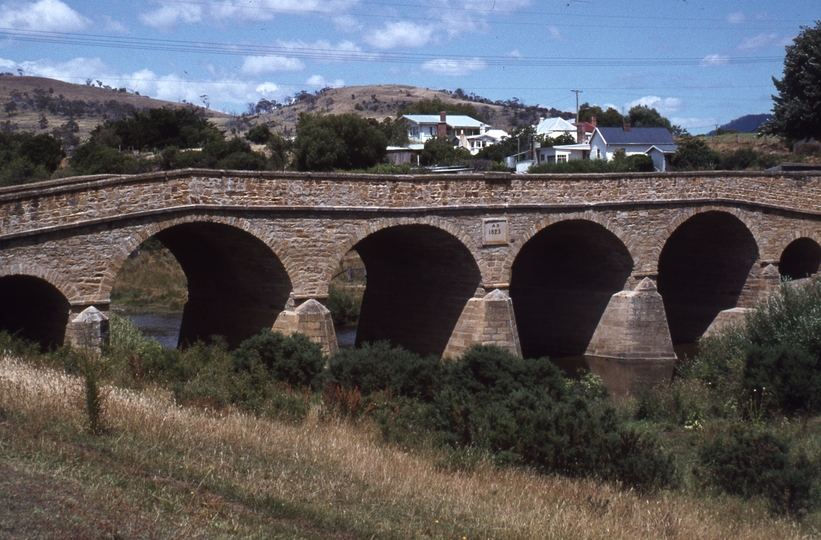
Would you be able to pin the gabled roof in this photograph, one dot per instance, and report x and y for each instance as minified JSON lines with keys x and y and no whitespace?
{"x":588,"y":127}
{"x":657,"y":136}
{"x":554,"y":124}
{"x":453,"y":120}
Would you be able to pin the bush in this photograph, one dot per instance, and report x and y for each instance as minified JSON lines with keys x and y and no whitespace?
{"x":777,"y":351}
{"x":344,"y":305}
{"x":380,"y":367}
{"x":294,"y":359}
{"x":757,"y":463}
{"x":524,"y":411}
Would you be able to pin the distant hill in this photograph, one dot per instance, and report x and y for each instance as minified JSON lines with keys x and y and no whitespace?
{"x":745,"y":124}
{"x":71,"y":111}
{"x":382,"y":101}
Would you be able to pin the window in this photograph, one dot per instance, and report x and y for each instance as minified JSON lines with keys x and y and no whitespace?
{"x":561,"y":159}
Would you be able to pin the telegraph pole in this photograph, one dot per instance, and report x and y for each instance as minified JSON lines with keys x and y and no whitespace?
{"x":577,"y":92}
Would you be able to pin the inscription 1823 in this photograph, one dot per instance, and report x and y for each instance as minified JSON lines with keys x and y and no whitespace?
{"x":494,"y":231}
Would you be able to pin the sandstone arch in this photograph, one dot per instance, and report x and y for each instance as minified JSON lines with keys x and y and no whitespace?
{"x":561,"y":283}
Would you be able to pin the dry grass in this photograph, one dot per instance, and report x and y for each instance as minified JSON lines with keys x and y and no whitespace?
{"x":172,"y":471}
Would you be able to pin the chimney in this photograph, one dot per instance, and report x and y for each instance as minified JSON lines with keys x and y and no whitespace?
{"x":581,"y":133}
{"x":627,"y":126}
{"x":593,"y":120}
{"x":442,"y":128}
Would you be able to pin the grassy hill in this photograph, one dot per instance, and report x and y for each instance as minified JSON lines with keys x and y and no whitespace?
{"x":41,"y":105}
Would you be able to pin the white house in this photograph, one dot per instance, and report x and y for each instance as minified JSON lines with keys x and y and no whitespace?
{"x":656,"y":142}
{"x":475,"y":143}
{"x":555,"y":127}
{"x":422,"y":127}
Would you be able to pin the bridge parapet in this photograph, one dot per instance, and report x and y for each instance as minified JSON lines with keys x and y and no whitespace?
{"x":77,"y":201}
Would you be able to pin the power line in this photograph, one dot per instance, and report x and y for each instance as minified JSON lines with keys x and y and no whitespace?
{"x":341,"y":55}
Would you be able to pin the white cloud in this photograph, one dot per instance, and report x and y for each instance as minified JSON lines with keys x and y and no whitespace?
{"x":695,"y":125}
{"x":256,"y":65}
{"x":454,"y":67}
{"x":168,"y":16}
{"x":44,"y":15}
{"x":323,"y":50}
{"x":554,"y":34}
{"x":763,"y":41}
{"x":172,"y":12}
{"x":267,"y":88}
{"x":75,"y":70}
{"x":715,"y":60}
{"x":665,"y":106}
{"x":515,"y":53}
{"x":403,"y":34}
{"x":736,"y":18}
{"x":320,"y":82}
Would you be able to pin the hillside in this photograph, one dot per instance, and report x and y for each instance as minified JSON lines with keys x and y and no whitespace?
{"x":381,"y":101}
{"x":69,"y":111}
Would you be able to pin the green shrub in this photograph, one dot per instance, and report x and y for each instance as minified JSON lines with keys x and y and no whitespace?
{"x":757,"y":463}
{"x":524,"y":411}
{"x":778,"y":350}
{"x":344,"y":304}
{"x":380,"y":367}
{"x":293,"y":359}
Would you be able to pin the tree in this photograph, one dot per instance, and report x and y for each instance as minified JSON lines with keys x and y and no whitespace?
{"x":694,"y":154}
{"x":797,"y":107}
{"x":441,"y":152}
{"x":609,"y":118}
{"x":344,"y":141}
{"x":644,"y":116}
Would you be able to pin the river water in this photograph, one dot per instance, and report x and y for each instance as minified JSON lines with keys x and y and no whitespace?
{"x":620,"y":377}
{"x":165,"y":328}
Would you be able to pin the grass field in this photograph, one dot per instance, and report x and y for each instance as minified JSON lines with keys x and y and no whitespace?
{"x":164,"y":471}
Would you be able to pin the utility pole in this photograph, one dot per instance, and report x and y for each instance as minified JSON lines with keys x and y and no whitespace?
{"x":577,"y":92}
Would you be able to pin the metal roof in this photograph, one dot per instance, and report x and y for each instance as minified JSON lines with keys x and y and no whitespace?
{"x":453,"y":120}
{"x":657,"y":136}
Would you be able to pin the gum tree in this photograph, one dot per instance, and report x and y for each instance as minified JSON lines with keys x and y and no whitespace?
{"x":797,"y":107}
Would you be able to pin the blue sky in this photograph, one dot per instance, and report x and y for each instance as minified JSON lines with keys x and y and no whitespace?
{"x":698,"y":62}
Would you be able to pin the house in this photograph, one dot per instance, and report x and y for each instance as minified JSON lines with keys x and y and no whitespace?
{"x":555,"y":127}
{"x":656,"y":142}
{"x":422,"y":127}
{"x":476,"y":143}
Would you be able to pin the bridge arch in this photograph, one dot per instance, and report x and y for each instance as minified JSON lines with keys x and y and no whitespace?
{"x":704,"y":268}
{"x":33,"y":308}
{"x":419,"y":279}
{"x":561,"y":282}
{"x":656,"y":245}
{"x":362,"y":230}
{"x":629,"y":242}
{"x":800,"y":259}
{"x":237,"y":284}
{"x":53,"y":278}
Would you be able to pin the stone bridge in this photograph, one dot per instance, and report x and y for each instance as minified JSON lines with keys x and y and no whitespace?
{"x":618,"y":266}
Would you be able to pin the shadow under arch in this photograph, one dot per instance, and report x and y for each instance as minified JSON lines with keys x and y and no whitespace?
{"x":419,"y":279}
{"x":800,"y":259}
{"x":561,"y":282}
{"x":34,"y":309}
{"x":236,"y":285}
{"x":702,"y":271}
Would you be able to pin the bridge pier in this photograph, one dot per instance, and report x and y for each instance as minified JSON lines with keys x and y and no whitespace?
{"x":87,"y":330}
{"x":486,"y":319}
{"x":634,"y":327}
{"x":312,"y":319}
